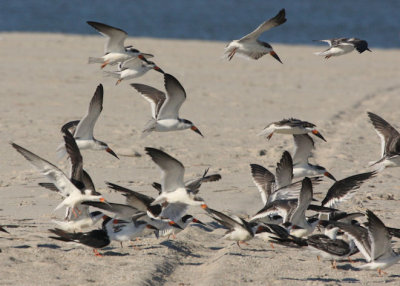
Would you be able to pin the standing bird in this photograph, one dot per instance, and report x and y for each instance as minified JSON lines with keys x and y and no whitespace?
{"x":84,"y":130}
{"x":341,"y":46}
{"x":114,"y":50}
{"x":239,"y":230}
{"x":133,"y":68}
{"x":290,"y":126}
{"x":390,"y":142}
{"x":165,"y":107}
{"x":250,"y":47}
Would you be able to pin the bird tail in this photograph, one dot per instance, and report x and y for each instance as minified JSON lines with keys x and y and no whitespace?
{"x":115,"y":74}
{"x":93,"y":60}
{"x":149,"y":127}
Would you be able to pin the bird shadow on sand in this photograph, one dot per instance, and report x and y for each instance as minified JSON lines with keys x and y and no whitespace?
{"x":114,"y":253}
{"x":179,"y":247}
{"x":323,"y":280}
{"x":347,"y":267}
{"x":48,"y":245}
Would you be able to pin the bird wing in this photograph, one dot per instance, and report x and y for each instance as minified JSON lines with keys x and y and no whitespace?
{"x":174,"y":211}
{"x":152,"y":95}
{"x":115,"y":37}
{"x":379,"y":237}
{"x":120,"y":210}
{"x":84,"y":130}
{"x":279,"y":19}
{"x":134,"y":199}
{"x":390,"y":137}
{"x":344,"y":189}
{"x":176,"y":95}
{"x":304,"y":201}
{"x":264,"y":181}
{"x":172,"y":171}
{"x":132,"y":63}
{"x":54,"y":174}
{"x":360,"y":236}
{"x":284,"y":171}
{"x":76,"y":160}
{"x":70,"y":126}
{"x":195,"y":184}
{"x":225,"y":220}
{"x":303,"y":145}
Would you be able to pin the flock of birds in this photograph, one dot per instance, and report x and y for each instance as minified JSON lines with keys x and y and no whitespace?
{"x":286,"y":195}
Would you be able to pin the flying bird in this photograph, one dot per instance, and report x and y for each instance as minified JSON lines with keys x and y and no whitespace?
{"x":250,"y":46}
{"x":341,"y":46}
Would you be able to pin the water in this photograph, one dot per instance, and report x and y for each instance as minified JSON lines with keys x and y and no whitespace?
{"x":376,"y":21}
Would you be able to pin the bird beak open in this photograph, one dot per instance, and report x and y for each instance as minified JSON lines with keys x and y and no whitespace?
{"x":156,"y":68}
{"x":195,"y":129}
{"x":195,"y":220}
{"x":109,"y":150}
{"x":275,"y":55}
{"x":174,"y":224}
{"x":329,"y":175}
{"x":316,"y":133}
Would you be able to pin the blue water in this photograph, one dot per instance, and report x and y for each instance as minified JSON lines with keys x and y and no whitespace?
{"x":376,"y":21}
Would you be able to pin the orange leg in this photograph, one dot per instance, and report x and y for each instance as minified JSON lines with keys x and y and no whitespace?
{"x":334,"y":266}
{"x":118,"y":82}
{"x":104,"y":64}
{"x":271,"y":244}
{"x":270,"y":135}
{"x":231,"y":54}
{"x":96,"y":253}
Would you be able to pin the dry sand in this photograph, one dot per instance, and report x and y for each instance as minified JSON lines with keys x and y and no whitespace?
{"x":46,"y":82}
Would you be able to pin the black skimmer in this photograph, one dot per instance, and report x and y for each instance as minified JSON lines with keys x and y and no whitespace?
{"x":165,"y":107}
{"x":173,"y":186}
{"x":374,"y":243}
{"x":303,"y":145}
{"x":96,"y":239}
{"x":390,"y":142}
{"x":290,"y":126}
{"x":114,"y":50}
{"x":341,"y":46}
{"x":73,"y":195}
{"x":133,"y":68}
{"x":250,"y":47}
{"x":239,"y":230}
{"x":84,"y":130}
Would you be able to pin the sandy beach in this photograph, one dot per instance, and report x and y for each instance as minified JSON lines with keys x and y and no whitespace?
{"x":47,"y":82}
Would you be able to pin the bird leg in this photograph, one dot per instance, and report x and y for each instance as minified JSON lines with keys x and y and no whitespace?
{"x":318,"y":258}
{"x":118,"y":82}
{"x":270,"y":135}
{"x":121,"y":244}
{"x":333,"y":262}
{"x":104,"y":64}
{"x":381,"y":272}
{"x":96,"y":253}
{"x":350,"y":260}
{"x":271,"y":244}
{"x":237,"y":242}
{"x":328,"y":56}
{"x":232,"y":53}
